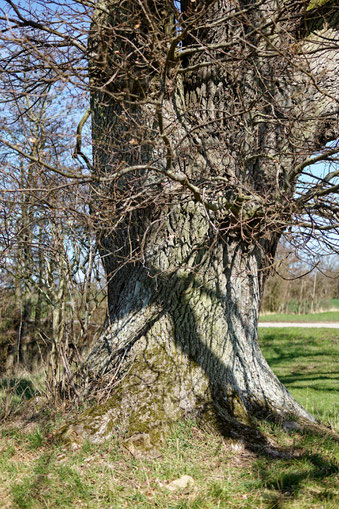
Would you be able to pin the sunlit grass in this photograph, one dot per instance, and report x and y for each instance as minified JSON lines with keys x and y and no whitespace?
{"x":326,"y":316}
{"x":307,"y":362}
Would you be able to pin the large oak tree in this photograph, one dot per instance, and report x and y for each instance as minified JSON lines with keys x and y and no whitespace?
{"x":205,"y":116}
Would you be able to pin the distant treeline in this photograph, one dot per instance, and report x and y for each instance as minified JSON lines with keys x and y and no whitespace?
{"x":294,"y":288}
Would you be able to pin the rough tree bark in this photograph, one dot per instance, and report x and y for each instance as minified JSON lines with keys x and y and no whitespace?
{"x":215,"y":137}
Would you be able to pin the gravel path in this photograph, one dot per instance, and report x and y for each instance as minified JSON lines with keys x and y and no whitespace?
{"x":310,"y":325}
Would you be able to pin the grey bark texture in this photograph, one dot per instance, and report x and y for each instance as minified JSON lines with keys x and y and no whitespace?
{"x":201,"y":146}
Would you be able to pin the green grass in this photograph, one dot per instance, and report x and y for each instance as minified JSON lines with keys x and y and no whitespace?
{"x":326,"y":316}
{"x":225,"y":475}
{"x":37,"y":472}
{"x":307,"y":362}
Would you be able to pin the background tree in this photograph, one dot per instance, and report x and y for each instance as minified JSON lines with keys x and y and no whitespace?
{"x":49,"y":253}
{"x":204,"y":117}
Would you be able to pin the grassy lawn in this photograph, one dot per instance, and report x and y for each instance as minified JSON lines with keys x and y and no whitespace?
{"x":326,"y":316}
{"x":307,"y":362}
{"x":293,"y":470}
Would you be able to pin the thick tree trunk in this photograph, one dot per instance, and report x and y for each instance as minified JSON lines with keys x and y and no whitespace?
{"x":182,"y":338}
{"x":199,"y":158}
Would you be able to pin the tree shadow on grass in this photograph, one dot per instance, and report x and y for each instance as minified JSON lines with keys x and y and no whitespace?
{"x":282,"y":356}
{"x":322,"y":388}
{"x":287,"y":478}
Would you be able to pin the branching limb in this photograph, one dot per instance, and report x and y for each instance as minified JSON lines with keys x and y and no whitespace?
{"x":77,"y":176}
{"x":77,"y":150}
{"x":312,"y":160}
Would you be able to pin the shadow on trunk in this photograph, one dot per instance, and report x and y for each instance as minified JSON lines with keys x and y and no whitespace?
{"x":185,"y":346}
